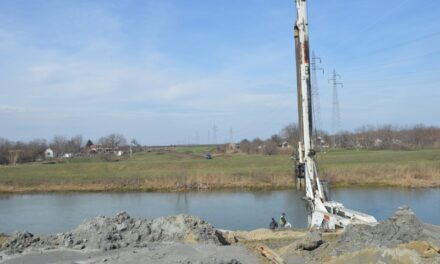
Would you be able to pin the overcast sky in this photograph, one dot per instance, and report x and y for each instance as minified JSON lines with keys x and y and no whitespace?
{"x":164,"y":71}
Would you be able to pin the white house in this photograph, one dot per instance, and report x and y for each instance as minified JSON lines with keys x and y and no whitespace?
{"x":378,"y":143}
{"x":48,"y":154}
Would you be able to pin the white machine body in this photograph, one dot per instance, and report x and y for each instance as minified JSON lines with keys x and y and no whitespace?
{"x":324,"y":213}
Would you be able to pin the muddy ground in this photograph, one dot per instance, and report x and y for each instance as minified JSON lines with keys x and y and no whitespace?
{"x":187,"y":239}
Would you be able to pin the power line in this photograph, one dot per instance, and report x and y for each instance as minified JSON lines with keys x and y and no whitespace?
{"x":231,"y":135}
{"x":393,"y":46}
{"x":385,"y":15}
{"x":390,"y":63}
{"x":408,"y":41}
{"x":379,"y":21}
{"x":316,"y":104}
{"x":336,"y":116}
{"x":214,"y":134}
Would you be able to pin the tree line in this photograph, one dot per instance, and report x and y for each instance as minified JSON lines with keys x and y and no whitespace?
{"x":366,"y":137}
{"x":388,"y":137}
{"x":33,"y":150}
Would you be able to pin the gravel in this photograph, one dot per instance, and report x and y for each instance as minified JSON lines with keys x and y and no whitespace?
{"x":403,"y":227}
{"x":121,"y":231}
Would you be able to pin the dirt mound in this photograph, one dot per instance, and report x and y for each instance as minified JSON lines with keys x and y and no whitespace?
{"x":311,"y":241}
{"x":402,"y":236}
{"x":403,"y":227}
{"x":108,"y":233}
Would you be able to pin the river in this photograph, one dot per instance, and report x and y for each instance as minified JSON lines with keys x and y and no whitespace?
{"x":59,"y":212}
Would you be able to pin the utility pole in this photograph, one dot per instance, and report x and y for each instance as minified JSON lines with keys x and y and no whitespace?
{"x":336,"y":116}
{"x":231,"y":136}
{"x":214,"y":134}
{"x":197,"y":137}
{"x":316,"y":105}
{"x":209,"y":137}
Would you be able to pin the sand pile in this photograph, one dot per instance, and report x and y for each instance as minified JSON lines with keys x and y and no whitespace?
{"x":108,"y":233}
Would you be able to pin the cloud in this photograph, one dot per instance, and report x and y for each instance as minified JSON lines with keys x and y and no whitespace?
{"x":95,"y":67}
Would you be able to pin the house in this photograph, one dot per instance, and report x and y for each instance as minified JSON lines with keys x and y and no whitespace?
{"x":231,"y":148}
{"x":378,"y":143}
{"x":48,"y":154}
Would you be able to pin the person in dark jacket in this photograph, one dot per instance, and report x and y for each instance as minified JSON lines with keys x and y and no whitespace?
{"x":273,"y":224}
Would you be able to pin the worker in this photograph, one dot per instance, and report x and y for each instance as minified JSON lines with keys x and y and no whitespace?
{"x":273,"y":224}
{"x":283,"y":221}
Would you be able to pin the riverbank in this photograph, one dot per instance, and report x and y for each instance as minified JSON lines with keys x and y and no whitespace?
{"x":187,"y":239}
{"x":187,"y":170}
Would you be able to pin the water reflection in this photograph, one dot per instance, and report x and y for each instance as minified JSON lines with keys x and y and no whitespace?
{"x":182,"y":204}
{"x":5,"y":196}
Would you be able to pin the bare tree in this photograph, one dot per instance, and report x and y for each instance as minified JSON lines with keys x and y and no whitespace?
{"x":135,"y":143}
{"x":277,"y":139}
{"x":256,"y":145}
{"x":136,"y":146}
{"x":245,"y":146}
{"x":290,"y":133}
{"x":59,"y":144}
{"x":74,"y":144}
{"x":34,"y":150}
{"x":5,"y":146}
{"x":270,"y":148}
{"x":113,"y":141}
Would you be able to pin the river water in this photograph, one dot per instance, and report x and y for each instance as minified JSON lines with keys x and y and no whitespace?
{"x":53,"y":213}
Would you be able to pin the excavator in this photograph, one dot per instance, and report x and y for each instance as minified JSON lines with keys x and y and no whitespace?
{"x":323,"y":212}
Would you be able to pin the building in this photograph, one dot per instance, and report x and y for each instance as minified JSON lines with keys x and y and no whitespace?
{"x":231,"y":148}
{"x":119,"y":153}
{"x":48,"y":154}
{"x":378,"y":143}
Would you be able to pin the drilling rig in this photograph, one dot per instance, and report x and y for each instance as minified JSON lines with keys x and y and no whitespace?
{"x":323,"y":213}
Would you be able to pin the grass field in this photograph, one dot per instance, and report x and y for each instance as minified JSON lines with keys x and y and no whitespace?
{"x":186,"y":169}
{"x":417,"y":168}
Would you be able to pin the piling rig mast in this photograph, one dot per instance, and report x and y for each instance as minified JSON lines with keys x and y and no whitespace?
{"x":323,"y":212}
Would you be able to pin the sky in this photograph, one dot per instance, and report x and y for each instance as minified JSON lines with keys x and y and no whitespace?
{"x":166,"y":72}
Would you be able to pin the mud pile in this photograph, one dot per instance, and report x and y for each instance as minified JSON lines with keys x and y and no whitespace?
{"x":108,"y":233}
{"x":402,"y":228}
{"x":402,"y":236}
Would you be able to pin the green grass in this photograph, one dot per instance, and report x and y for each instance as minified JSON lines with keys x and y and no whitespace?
{"x":196,"y":150}
{"x":353,"y":157}
{"x":186,"y":169}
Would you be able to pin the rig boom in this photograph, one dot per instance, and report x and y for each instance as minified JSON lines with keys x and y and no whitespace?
{"x":324,"y":213}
